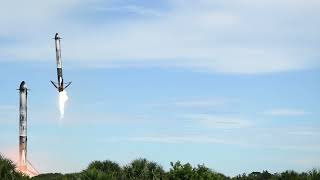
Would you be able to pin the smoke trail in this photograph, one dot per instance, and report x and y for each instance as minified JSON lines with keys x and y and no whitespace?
{"x":63,"y":98}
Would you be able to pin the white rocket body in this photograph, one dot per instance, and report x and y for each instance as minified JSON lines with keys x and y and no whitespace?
{"x":58,"y":51}
{"x":23,"y":127}
{"x":60,"y":84}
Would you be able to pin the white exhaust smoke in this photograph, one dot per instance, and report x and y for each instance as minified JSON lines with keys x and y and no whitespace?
{"x":63,"y":98}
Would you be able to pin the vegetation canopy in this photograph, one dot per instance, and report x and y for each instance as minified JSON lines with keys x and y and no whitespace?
{"x":142,"y":169}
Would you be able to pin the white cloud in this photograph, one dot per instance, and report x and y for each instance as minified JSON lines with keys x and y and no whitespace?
{"x":196,"y":103}
{"x":201,"y":103}
{"x":32,"y":17}
{"x":304,"y":133}
{"x":249,"y":139}
{"x":219,"y":122}
{"x":241,"y":37}
{"x":286,"y":112}
{"x":165,"y":139}
{"x":132,"y":9}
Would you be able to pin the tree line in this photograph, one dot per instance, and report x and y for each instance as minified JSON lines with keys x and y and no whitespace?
{"x":142,"y":169}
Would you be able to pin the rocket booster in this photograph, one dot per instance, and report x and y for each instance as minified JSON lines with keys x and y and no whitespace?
{"x":23,"y":127}
{"x":60,"y":84}
{"x":23,"y":162}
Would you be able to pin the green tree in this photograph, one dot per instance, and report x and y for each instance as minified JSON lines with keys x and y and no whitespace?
{"x":112,"y":169}
{"x":48,"y":176}
{"x":180,"y":171}
{"x":187,"y":172}
{"x":94,"y":174}
{"x":8,"y":170}
{"x":314,"y":174}
{"x":203,"y":173}
{"x":289,"y":175}
{"x":102,"y":170}
{"x":143,"y":169}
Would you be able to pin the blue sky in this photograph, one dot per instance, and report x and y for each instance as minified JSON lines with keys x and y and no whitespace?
{"x":231,"y":84}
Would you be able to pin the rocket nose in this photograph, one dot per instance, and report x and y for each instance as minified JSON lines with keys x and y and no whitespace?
{"x":57,"y":36}
{"x":23,"y":85}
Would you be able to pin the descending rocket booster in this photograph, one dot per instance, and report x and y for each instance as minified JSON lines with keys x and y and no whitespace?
{"x":24,"y":165}
{"x":23,"y":127}
{"x":60,"y":84}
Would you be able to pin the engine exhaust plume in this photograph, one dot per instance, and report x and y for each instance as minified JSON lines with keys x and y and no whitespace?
{"x":63,"y":98}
